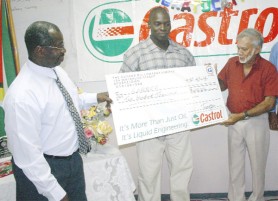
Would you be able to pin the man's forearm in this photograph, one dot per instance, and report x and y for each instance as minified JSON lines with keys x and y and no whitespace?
{"x":262,"y":107}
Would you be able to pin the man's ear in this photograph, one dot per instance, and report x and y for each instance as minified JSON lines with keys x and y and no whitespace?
{"x":258,"y":50}
{"x":39,"y":50}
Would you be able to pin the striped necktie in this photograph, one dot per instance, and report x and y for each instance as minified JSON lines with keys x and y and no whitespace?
{"x":84,"y":143}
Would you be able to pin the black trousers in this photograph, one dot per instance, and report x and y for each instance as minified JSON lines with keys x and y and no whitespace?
{"x":68,"y":172}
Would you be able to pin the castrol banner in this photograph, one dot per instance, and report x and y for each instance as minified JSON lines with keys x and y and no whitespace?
{"x":106,"y":29}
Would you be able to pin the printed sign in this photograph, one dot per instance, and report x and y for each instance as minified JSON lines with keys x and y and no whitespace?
{"x":106,"y":29}
{"x":154,"y":103}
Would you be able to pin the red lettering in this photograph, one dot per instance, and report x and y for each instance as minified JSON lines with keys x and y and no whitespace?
{"x":144,"y":29}
{"x":202,"y":118}
{"x":209,"y":32}
{"x":187,"y":30}
{"x":260,"y":23}
{"x":225,"y":23}
{"x":245,"y":17}
{"x":234,"y":2}
{"x":268,"y":16}
{"x":211,"y":116}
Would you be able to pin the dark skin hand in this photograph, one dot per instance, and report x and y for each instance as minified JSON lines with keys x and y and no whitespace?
{"x":273,"y":121}
{"x":66,"y":198}
{"x":104,"y":97}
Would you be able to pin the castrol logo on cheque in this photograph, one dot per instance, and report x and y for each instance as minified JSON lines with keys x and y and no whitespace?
{"x":206,"y":117}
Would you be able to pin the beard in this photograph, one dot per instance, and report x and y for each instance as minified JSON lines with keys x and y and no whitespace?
{"x":247,"y":59}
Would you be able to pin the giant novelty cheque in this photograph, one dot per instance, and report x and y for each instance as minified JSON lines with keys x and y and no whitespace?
{"x":155,"y":103}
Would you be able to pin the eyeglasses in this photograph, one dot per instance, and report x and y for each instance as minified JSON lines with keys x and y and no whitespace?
{"x":57,"y":48}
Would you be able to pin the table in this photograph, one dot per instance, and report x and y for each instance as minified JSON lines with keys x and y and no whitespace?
{"x":7,"y":185}
{"x":107,"y":177}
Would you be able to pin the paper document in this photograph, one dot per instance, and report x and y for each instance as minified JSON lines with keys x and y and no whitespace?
{"x":154,"y":103}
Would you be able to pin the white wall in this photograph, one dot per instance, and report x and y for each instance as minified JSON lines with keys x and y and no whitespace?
{"x":209,"y":144}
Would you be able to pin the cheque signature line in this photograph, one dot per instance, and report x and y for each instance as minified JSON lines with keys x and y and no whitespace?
{"x":154,"y":92}
{"x":187,"y":105}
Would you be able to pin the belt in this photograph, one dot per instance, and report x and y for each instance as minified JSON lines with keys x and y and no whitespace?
{"x":59,"y":157}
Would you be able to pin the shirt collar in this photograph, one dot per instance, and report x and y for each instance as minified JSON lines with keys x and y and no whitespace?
{"x":41,"y":70}
{"x":151,"y":46}
{"x":173,"y":47}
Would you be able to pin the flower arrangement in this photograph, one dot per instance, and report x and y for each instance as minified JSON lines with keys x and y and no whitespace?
{"x":94,"y":124}
{"x":6,"y":168}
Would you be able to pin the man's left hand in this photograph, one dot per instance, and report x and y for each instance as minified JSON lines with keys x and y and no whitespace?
{"x":233,"y":118}
{"x":104,"y":97}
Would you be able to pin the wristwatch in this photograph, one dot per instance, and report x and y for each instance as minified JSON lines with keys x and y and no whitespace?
{"x":246,"y":115}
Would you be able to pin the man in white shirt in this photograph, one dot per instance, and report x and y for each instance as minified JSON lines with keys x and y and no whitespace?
{"x":41,"y":132}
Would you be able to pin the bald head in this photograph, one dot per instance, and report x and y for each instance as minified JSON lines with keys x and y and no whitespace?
{"x":156,"y":10}
{"x":38,"y":33}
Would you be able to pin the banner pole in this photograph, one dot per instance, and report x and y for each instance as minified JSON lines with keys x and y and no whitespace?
{"x":13,"y":36}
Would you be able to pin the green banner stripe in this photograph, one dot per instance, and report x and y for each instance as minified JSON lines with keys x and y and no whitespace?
{"x":2,"y":130}
{"x":9,"y":64}
{"x":7,"y":48}
{"x":222,"y":55}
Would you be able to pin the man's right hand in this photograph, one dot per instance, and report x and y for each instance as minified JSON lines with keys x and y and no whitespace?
{"x":66,"y":198}
{"x":233,"y":118}
{"x":273,"y":120}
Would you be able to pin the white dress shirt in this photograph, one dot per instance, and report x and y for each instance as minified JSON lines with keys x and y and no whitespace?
{"x":37,"y":121}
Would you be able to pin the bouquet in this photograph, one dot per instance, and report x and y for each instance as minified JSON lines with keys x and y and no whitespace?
{"x":6,"y":168}
{"x":94,"y":124}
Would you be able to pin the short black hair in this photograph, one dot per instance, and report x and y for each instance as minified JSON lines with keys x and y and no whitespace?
{"x":38,"y":34}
